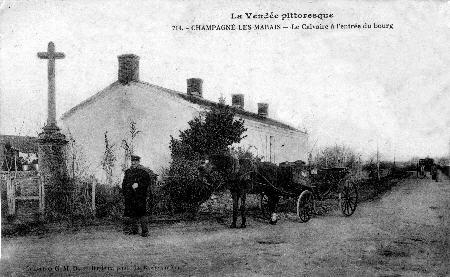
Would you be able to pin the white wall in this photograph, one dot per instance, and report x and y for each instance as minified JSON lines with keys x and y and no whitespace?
{"x":106,"y":111}
{"x":158,"y":115}
{"x":274,"y":143}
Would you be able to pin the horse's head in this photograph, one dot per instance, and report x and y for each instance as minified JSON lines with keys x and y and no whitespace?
{"x":228,"y":165}
{"x":217,"y":162}
{"x":222,"y":162}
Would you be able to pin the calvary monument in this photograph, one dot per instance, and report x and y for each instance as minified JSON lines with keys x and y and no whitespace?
{"x":52,"y":164}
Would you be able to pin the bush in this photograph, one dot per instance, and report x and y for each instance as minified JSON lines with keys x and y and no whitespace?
{"x":81,"y":206}
{"x":4,"y":199}
{"x":162,"y":202}
{"x":76,"y":200}
{"x":63,"y":191}
{"x":337,"y":156}
{"x":186,"y":188}
{"x":109,"y":201}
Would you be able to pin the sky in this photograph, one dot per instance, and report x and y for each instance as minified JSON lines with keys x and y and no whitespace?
{"x":363,"y":88}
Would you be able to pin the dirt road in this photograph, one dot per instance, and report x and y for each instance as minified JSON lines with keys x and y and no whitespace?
{"x":404,"y":233}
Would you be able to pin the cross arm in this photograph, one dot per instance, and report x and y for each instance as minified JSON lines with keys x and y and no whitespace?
{"x":59,"y":55}
{"x":51,"y":56}
{"x":42,"y":55}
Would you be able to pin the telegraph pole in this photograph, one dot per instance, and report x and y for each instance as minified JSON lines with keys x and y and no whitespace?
{"x":378,"y":163}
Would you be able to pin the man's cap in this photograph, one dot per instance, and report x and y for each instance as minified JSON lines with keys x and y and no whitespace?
{"x":135,"y":158}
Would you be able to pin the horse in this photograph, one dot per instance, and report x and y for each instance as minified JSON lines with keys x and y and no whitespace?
{"x":241,"y":177}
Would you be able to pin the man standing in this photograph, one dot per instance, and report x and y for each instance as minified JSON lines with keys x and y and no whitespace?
{"x":434,"y":172}
{"x":135,"y":187}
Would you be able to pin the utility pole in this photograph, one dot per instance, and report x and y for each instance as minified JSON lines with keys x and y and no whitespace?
{"x":378,"y":163}
{"x":394,"y":153}
{"x":270,"y":148}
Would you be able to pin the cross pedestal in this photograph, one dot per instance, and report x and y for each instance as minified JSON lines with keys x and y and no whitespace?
{"x":52,"y":143}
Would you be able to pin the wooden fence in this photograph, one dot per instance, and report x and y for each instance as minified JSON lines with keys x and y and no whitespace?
{"x":25,"y":186}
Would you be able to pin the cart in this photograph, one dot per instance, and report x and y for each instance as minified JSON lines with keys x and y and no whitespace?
{"x":423,"y":166}
{"x":307,"y":185}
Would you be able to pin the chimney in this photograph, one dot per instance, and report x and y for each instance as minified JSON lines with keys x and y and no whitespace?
{"x":237,"y":101}
{"x":128,"y":68}
{"x":194,"y":87}
{"x":263,"y":109}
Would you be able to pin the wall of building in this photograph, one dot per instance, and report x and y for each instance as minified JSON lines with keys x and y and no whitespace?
{"x":159,"y":115}
{"x":274,"y":144}
{"x":87,"y":125}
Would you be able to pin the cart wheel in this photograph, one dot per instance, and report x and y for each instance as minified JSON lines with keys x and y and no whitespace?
{"x":348,"y":198}
{"x":305,"y":206}
{"x":264,"y":205}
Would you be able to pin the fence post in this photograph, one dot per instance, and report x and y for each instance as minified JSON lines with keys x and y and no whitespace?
{"x":10,"y":194}
{"x":41,"y":197}
{"x":93,"y":196}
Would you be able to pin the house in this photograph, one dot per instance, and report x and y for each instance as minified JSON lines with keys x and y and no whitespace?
{"x":18,"y":153}
{"x":158,"y":113}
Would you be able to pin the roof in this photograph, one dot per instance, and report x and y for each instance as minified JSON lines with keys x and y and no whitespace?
{"x":24,"y":144}
{"x":192,"y":99}
{"x":208,"y":103}
{"x":88,"y":100}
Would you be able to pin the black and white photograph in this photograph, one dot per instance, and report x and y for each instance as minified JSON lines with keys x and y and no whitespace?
{"x":224,"y":138}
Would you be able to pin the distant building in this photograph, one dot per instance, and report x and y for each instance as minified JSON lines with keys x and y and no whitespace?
{"x":18,"y":153}
{"x":159,"y":113}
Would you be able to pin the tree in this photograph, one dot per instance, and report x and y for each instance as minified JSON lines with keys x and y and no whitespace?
{"x":336,"y":156}
{"x":129,"y":145}
{"x":209,"y":133}
{"x":108,"y":160}
{"x":213,"y":131}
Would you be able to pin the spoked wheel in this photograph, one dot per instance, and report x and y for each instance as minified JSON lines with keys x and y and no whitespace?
{"x":264,"y":205}
{"x":348,"y":198}
{"x":305,"y":206}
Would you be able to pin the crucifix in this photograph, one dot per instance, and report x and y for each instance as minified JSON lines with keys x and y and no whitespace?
{"x":51,"y":56}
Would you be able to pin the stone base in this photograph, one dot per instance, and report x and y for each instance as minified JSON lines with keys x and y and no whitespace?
{"x":51,"y":134}
{"x":53,"y":170}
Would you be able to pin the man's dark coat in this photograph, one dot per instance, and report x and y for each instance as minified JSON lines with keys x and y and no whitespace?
{"x":136,"y":199}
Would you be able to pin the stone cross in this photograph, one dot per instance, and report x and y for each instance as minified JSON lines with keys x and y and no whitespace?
{"x":51,"y":56}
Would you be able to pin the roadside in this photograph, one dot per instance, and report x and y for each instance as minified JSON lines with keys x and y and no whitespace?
{"x":405,"y":232}
{"x":218,"y":210}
